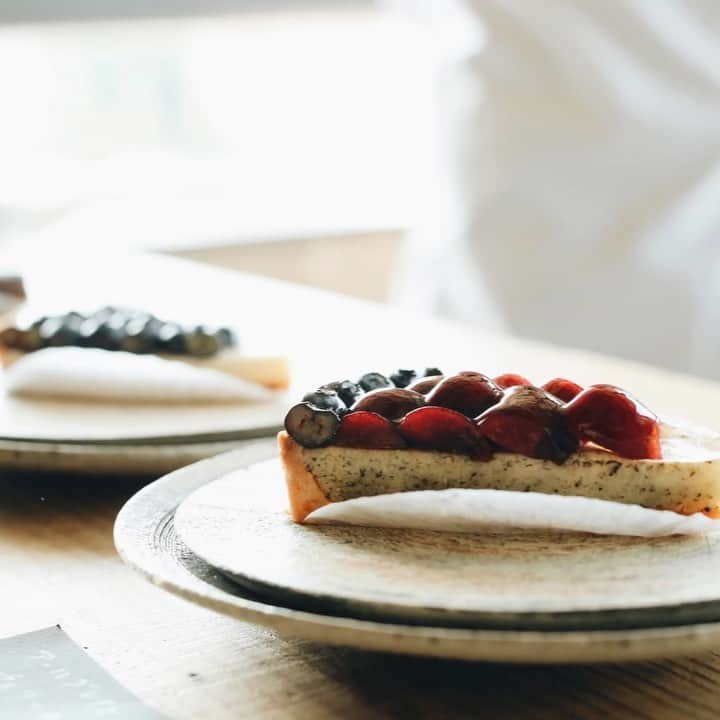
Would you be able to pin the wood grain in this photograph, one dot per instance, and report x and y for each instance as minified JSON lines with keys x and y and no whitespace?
{"x":59,"y":564}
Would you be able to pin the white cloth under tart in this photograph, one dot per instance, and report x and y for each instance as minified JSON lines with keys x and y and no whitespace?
{"x":465,"y":510}
{"x":88,"y":373}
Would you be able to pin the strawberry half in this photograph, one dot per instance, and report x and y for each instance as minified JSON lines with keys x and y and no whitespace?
{"x":528,"y":421}
{"x":468,"y":394}
{"x":614,"y":420}
{"x":562,"y":389}
{"x":511,"y":380}
{"x":438,"y":428}
{"x":368,"y":430}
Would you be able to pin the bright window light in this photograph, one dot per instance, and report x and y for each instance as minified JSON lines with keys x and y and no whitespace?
{"x":173,"y":133}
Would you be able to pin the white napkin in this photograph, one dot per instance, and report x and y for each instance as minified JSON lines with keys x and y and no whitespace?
{"x":463,"y":510}
{"x":88,"y":373}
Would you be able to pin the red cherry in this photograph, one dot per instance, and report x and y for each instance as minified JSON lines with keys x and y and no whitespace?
{"x":528,"y":421}
{"x":511,"y":380}
{"x":391,"y":403}
{"x":368,"y":430}
{"x":438,"y":428}
{"x":426,"y":384}
{"x":469,"y":394}
{"x":614,"y":420}
{"x":562,"y":389}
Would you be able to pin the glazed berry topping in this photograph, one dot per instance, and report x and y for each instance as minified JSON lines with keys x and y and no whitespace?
{"x":434,"y":413}
{"x":373,"y":381}
{"x":170,"y":336}
{"x":310,"y":426}
{"x":58,"y":332}
{"x":426,"y":384}
{"x":614,"y":420}
{"x":469,"y":394}
{"x":402,"y":378}
{"x":347,"y":390}
{"x":325,"y":399}
{"x":368,"y":430}
{"x":509,"y":380}
{"x":562,"y":389}
{"x":438,"y":428}
{"x":530,"y":422}
{"x":112,"y":328}
{"x":391,"y":403}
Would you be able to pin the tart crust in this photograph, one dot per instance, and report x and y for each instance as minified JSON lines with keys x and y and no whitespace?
{"x":303,"y":489}
{"x":318,"y":476}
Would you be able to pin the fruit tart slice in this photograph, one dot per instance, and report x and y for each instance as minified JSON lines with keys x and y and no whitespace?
{"x":432,"y":432}
{"x":137,"y":332}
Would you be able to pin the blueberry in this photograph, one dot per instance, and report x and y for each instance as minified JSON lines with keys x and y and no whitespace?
{"x":91,"y":332}
{"x":348,"y":391}
{"x":431,"y":371}
{"x":140,"y":336}
{"x":73,"y":318}
{"x":226,"y":337}
{"x":110,"y":333}
{"x":325,"y":399}
{"x":201,"y":343}
{"x":402,"y":378}
{"x":373,"y":381}
{"x":311,"y":427}
{"x":57,"y":332}
{"x":171,"y":339}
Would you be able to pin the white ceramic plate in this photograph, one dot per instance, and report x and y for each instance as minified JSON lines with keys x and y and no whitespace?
{"x":129,"y":438}
{"x":536,"y":579}
{"x":106,"y":459}
{"x":146,"y":539}
{"x":84,"y":421}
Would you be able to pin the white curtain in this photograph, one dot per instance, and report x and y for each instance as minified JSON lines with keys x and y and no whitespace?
{"x":578,"y":175}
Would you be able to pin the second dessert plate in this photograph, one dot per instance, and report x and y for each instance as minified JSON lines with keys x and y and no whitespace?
{"x":86,"y":421}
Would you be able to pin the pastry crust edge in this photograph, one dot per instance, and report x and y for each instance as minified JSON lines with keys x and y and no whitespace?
{"x":303,"y":489}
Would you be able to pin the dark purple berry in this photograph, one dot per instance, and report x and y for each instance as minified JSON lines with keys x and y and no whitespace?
{"x":347,"y":390}
{"x":403,"y":378}
{"x":325,"y":399}
{"x":310,"y":426}
{"x":373,"y":381}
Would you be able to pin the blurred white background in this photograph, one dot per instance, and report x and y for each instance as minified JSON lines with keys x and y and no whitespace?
{"x":195,"y":131}
{"x":548,"y":170}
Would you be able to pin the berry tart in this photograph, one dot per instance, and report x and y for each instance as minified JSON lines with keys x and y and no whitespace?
{"x":432,"y":432}
{"x":141,"y":333}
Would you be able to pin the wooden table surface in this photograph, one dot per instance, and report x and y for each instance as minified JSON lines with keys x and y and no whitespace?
{"x":58,"y":563}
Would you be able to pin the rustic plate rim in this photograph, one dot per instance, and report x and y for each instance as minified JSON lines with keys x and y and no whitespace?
{"x":141,"y":516}
{"x":614,"y":616}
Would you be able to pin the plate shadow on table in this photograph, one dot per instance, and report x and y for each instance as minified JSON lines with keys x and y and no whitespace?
{"x":49,"y":510}
{"x":400,"y":686}
{"x":415,"y":687}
